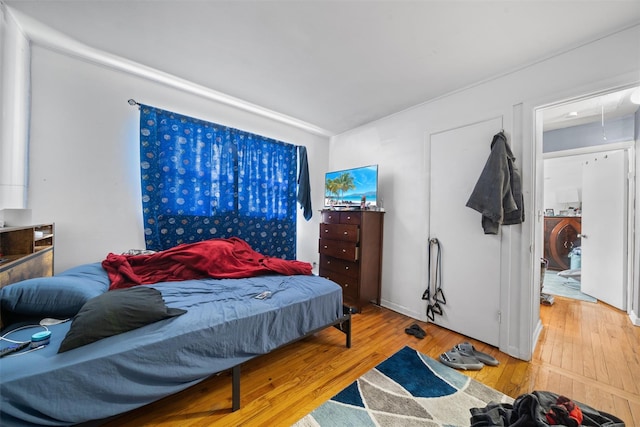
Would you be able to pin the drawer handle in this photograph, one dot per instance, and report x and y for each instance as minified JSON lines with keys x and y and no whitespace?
{"x":346,"y":268}
{"x":348,"y":217}
{"x":326,"y":231}
{"x":325,"y":246}
{"x":344,"y":250}
{"x":346,"y":285}
{"x":345,"y":233}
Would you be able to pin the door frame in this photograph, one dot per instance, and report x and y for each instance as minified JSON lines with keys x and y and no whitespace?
{"x":629,"y":147}
{"x":538,"y":167}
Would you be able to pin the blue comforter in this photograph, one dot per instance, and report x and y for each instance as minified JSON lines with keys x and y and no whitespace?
{"x":225,"y":325}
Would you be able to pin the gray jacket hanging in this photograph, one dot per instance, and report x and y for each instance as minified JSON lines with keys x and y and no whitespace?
{"x":498,"y":192}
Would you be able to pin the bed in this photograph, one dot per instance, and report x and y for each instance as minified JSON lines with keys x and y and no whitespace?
{"x":204,"y":326}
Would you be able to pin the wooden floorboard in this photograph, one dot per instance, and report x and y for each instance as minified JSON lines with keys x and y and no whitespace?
{"x":587,"y":351}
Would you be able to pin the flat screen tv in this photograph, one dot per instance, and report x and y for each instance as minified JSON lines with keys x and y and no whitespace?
{"x":346,"y":188}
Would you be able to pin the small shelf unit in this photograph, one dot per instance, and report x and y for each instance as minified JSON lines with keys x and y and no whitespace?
{"x":26,"y":252}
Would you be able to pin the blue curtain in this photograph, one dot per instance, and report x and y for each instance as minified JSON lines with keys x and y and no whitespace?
{"x":201,"y":180}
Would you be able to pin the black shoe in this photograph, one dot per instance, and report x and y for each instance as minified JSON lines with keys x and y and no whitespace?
{"x":416,"y":331}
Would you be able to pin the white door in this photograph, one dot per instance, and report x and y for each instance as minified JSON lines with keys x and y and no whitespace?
{"x":470,"y":259}
{"x":604,"y":227}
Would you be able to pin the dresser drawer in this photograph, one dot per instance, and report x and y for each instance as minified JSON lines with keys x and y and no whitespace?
{"x":350,"y":218}
{"x":348,"y":284}
{"x":338,"y":249}
{"x":331,"y":217}
{"x":336,"y":265}
{"x":337,"y":217}
{"x":344,"y":232}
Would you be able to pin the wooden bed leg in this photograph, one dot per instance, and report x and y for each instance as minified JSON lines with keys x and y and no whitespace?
{"x":348,"y":332}
{"x":235,"y":388}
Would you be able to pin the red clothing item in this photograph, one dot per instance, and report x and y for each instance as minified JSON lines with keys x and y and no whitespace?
{"x":230,"y":258}
{"x":564,"y":412}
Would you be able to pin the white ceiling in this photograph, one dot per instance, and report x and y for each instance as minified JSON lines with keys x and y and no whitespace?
{"x":334,"y":64}
{"x":591,"y":109}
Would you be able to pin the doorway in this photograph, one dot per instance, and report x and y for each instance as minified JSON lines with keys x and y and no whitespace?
{"x":586,"y":224}
{"x":577,"y":135}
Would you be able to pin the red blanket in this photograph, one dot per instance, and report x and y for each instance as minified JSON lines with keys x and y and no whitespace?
{"x":230,"y":258}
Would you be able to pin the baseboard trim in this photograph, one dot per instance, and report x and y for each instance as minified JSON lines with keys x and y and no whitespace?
{"x":403,"y":310}
{"x":536,"y":336}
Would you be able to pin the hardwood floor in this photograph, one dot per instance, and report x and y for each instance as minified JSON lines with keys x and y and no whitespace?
{"x":589,"y":352}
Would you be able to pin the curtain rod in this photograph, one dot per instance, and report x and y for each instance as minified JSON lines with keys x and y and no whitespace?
{"x":133,"y":102}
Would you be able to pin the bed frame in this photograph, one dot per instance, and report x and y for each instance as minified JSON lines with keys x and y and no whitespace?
{"x":343,"y":324}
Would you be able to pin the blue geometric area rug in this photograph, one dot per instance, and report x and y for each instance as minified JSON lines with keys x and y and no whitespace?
{"x":408,"y":389}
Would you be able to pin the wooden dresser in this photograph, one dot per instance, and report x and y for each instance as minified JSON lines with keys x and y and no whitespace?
{"x":26,"y":252}
{"x":351,"y":254}
{"x":560,"y":237}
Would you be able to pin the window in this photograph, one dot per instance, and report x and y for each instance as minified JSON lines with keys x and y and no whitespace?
{"x":201,"y":180}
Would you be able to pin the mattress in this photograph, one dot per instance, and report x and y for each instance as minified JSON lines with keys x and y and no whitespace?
{"x":225,"y":325}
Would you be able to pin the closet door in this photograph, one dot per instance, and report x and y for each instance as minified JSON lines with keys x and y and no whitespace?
{"x":471,"y":266}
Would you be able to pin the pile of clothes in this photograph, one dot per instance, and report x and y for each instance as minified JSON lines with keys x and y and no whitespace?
{"x":542,"y":408}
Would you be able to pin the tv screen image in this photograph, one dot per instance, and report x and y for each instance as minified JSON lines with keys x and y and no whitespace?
{"x":345,"y":188}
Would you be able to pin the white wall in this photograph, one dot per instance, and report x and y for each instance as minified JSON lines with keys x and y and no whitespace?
{"x":563,"y":181}
{"x":84,"y":159}
{"x":397,"y":144}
